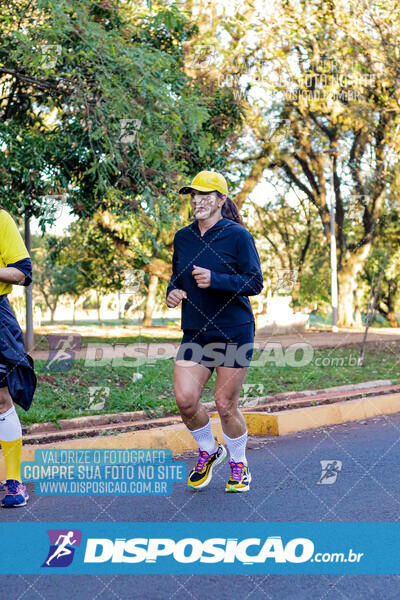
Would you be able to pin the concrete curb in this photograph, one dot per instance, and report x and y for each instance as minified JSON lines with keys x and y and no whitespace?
{"x":173,"y":437}
{"x":300,"y":419}
{"x":115,"y":418}
{"x":80,"y":422}
{"x":338,"y":388}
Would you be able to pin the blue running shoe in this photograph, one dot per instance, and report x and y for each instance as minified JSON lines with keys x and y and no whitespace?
{"x":16,"y":494}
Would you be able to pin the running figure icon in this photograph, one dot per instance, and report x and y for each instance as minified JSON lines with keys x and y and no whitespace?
{"x":62,"y":549}
{"x":62,"y":352}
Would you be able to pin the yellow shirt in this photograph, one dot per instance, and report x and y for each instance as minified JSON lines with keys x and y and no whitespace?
{"x":12,"y":247}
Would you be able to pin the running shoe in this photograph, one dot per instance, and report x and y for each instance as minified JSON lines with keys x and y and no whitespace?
{"x":16,"y":494}
{"x":240,"y":478}
{"x":201,"y":475}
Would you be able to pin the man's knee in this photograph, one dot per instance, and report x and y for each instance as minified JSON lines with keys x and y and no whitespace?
{"x":5,"y":400}
{"x":187,"y":402}
{"x":226,"y":406}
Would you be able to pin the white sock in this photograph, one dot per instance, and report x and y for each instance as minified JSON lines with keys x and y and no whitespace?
{"x":204,"y":438}
{"x":237,"y":447}
{"x":10,"y":426}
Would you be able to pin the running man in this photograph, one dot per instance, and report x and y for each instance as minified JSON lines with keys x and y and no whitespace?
{"x":215,"y":268}
{"x":62,"y":549}
{"x":17,"y":378}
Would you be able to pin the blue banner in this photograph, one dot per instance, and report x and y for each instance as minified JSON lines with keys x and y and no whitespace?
{"x":90,"y":472}
{"x":213,"y":548}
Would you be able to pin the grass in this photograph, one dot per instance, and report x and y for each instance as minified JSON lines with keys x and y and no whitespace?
{"x":330,"y":368}
{"x":66,"y":395}
{"x":62,"y":395}
{"x":42,"y":341}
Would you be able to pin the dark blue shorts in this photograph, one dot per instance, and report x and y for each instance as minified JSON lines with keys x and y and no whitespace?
{"x":230,"y":347}
{"x":21,"y":378}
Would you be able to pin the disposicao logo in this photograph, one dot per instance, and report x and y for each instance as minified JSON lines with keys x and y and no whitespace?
{"x":63,"y":543}
{"x":190,"y":550}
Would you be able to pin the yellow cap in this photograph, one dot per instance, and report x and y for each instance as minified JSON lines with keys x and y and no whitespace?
{"x":207,"y":181}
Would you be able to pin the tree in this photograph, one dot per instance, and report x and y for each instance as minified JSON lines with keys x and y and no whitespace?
{"x":78,"y":83}
{"x":89,"y":257}
{"x":388,"y":304}
{"x":52,"y":279}
{"x":96,"y":110}
{"x":292,"y":250}
{"x":320,"y":82}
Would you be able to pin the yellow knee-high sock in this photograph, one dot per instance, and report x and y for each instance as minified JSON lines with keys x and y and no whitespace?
{"x":12,"y":456}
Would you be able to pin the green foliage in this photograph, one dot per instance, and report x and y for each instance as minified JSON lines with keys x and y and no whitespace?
{"x":98,"y":111}
{"x":388,"y":303}
{"x":52,"y":279}
{"x":321,"y":78}
{"x":96,"y":104}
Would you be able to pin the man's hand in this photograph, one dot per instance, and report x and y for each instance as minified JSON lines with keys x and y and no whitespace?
{"x":202,"y":276}
{"x":175,"y":297}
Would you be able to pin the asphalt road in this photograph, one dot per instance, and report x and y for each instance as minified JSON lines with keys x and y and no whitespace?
{"x":285,"y":474}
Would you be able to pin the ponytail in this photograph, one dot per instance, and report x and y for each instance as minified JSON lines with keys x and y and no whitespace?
{"x":230,"y":211}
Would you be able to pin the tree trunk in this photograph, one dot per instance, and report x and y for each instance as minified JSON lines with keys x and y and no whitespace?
{"x":391,"y":317}
{"x":295,"y":298}
{"x":119,"y":305}
{"x":73,"y":311}
{"x":150,"y":301}
{"x":391,"y":301}
{"x":347,"y":279}
{"x":252,"y":180}
{"x":98,"y":307}
{"x":52,"y":313}
{"x":357,"y":310}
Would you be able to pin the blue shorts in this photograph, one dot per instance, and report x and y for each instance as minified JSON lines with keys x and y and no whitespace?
{"x":228,"y":347}
{"x":21,"y":378}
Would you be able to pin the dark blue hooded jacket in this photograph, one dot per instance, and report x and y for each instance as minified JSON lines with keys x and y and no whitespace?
{"x":228,"y":250}
{"x":21,"y":378}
